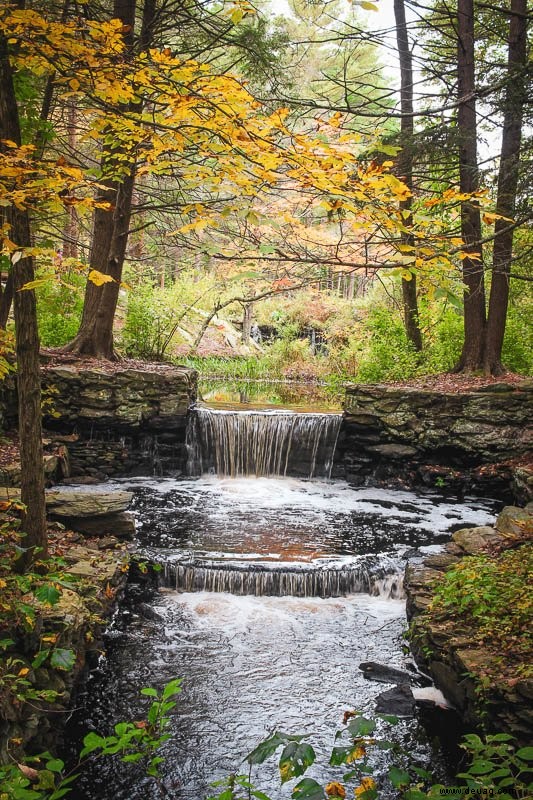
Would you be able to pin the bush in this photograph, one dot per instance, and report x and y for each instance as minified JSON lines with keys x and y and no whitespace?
{"x":59,"y":309}
{"x":148,"y":327}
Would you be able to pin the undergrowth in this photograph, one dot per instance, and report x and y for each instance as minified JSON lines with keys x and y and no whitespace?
{"x":489,"y":594}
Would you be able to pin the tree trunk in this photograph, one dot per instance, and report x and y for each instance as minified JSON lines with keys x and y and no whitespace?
{"x":27,"y":343}
{"x":71,"y":228}
{"x":404,"y":165}
{"x":110,"y":235}
{"x":6,"y":299}
{"x":474,"y":294}
{"x":247,"y":322}
{"x":515,"y":98}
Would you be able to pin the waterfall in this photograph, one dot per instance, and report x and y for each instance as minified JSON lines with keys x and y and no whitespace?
{"x":379,"y":577}
{"x":262,"y":443}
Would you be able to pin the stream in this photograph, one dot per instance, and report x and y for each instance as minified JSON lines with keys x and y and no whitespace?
{"x":274,"y":590}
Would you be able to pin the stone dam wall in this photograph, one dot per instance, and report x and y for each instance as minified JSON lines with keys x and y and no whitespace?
{"x":100,"y":423}
{"x":478,"y":440}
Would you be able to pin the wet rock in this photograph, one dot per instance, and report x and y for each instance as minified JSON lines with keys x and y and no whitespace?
{"x":449,"y":440}
{"x":384,"y":674}
{"x":67,"y":503}
{"x":398,"y":701}
{"x":148,"y":612}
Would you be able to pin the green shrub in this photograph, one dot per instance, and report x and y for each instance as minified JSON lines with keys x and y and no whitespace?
{"x":59,"y":309}
{"x":489,"y":593}
{"x":149,"y":323}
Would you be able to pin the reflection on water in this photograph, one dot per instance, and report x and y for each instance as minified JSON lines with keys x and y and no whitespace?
{"x":269,"y":394}
{"x":292,"y":520}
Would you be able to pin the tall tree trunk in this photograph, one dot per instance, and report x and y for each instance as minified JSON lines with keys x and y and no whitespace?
{"x":27,"y":341}
{"x":404,"y":165}
{"x":474,"y":294}
{"x":515,"y":98}
{"x":110,"y":232}
{"x":71,"y":228}
{"x":6,"y":299}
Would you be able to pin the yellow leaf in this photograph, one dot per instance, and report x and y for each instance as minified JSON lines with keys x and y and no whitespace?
{"x":99,"y":278}
{"x":335,"y":789}
{"x":23,"y":671}
{"x":366,"y":785}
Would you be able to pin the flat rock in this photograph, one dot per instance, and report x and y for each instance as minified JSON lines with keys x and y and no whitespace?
{"x":62,"y":502}
{"x":385,"y":674}
{"x":398,"y":701}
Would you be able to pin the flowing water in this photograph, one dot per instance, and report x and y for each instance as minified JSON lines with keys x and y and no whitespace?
{"x":257,"y":658}
{"x":274,"y":442}
{"x":274,"y":590}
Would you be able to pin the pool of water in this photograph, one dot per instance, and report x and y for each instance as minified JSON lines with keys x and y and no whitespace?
{"x":269,"y":394}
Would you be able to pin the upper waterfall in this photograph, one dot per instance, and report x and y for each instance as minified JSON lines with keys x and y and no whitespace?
{"x":262,"y":443}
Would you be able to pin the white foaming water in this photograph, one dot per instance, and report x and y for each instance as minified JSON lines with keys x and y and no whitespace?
{"x":315,"y":498}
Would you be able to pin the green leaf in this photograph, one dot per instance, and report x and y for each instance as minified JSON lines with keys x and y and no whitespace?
{"x":149,"y":692}
{"x":399,"y":778}
{"x":308,"y":789}
{"x":55,"y":765}
{"x":481,"y":767}
{"x":525,"y":753}
{"x":172,"y":688}
{"x":48,"y":594}
{"x":266,"y":748}
{"x":295,"y":759}
{"x":40,"y":658}
{"x":62,"y":659}
{"x":390,"y":718}
{"x":361,"y":726}
{"x":92,"y":742}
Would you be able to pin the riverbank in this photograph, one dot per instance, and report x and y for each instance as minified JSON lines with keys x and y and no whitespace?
{"x":470,"y":611}
{"x":53,"y":620}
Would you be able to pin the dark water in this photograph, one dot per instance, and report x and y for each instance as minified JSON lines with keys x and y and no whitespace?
{"x":252,"y":664}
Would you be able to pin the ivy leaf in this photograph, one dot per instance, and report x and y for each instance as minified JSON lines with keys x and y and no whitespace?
{"x":62,"y":659}
{"x":48,"y":594}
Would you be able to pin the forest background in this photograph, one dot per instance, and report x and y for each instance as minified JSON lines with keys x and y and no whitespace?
{"x":201,"y":241}
{"x":177,"y":175}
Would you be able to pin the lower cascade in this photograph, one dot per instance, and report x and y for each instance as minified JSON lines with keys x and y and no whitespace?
{"x":262,"y":443}
{"x":381,"y":577}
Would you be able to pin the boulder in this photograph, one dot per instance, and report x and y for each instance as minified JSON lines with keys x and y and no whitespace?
{"x":398,"y":701}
